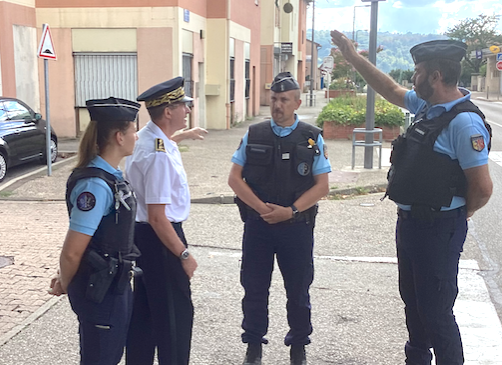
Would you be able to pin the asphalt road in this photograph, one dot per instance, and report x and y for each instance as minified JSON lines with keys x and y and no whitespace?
{"x":485,"y":225}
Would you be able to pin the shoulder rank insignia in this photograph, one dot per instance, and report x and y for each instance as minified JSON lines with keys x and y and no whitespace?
{"x":159,"y":145}
{"x":478,"y":142}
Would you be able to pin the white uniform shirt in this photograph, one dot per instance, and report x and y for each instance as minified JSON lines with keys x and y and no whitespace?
{"x":158,"y":177}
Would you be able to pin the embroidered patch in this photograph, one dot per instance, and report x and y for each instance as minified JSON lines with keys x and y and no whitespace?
{"x":325,"y":151}
{"x":303,"y":169}
{"x":159,"y":145}
{"x":86,"y":201}
{"x":478,"y":142}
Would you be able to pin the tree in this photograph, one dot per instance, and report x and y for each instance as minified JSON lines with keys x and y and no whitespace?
{"x":478,"y":33}
{"x":400,"y":75}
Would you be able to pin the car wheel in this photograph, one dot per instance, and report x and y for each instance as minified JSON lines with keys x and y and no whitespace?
{"x":54,"y":152}
{"x":54,"y":149}
{"x":3,"y":166}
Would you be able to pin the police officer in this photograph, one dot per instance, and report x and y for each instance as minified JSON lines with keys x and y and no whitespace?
{"x":163,"y":310}
{"x":98,"y":251}
{"x":439,"y":178}
{"x":285,"y":166}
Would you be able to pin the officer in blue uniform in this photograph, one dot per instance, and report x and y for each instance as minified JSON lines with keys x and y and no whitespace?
{"x":439,"y":178}
{"x":98,"y":253}
{"x":279,"y":172}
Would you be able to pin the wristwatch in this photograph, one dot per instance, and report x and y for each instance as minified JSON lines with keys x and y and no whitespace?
{"x":184,"y":255}
{"x":295,"y":211}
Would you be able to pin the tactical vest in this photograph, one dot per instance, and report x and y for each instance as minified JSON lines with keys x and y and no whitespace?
{"x":418,"y":174}
{"x":279,"y":169}
{"x":115,"y":233}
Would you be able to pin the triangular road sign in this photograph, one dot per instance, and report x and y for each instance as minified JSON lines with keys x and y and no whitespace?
{"x":46,"y":47}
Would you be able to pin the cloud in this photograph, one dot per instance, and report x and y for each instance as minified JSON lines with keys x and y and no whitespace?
{"x":402,"y":16}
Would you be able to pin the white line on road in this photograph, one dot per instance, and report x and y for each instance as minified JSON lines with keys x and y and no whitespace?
{"x":475,"y":313}
{"x":496,"y":156}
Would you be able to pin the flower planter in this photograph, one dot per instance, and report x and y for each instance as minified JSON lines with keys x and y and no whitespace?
{"x":332,"y":130}
{"x":337,"y":93}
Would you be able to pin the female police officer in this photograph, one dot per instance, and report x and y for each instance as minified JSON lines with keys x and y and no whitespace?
{"x":97,"y":254}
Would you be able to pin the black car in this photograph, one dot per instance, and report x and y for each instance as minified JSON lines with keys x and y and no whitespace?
{"x":22,"y":135}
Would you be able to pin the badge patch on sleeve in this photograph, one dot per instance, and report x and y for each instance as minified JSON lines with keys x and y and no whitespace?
{"x":478,"y":142}
{"x":325,"y":148}
{"x":159,"y":145}
{"x":86,"y":201}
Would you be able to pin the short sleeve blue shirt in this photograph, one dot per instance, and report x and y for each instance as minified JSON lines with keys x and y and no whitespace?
{"x":87,"y":221}
{"x":321,"y":164}
{"x":455,"y":140}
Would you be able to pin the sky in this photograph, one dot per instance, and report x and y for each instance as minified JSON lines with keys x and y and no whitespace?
{"x":401,"y":16}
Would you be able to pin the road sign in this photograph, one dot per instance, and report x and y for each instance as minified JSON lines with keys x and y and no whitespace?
{"x":499,"y":65}
{"x":328,"y":63}
{"x":46,"y":47}
{"x":499,"y":56}
{"x":495,"y":49}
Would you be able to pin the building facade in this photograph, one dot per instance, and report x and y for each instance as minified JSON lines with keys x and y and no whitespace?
{"x":283,"y":42}
{"x":122,"y":47}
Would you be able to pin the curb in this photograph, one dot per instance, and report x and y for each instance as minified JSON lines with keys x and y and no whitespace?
{"x":229,"y":199}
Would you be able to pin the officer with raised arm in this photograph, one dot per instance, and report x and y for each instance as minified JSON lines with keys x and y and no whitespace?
{"x":439,"y":178}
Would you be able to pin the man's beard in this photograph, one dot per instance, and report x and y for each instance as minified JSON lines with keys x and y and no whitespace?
{"x":424,"y":90}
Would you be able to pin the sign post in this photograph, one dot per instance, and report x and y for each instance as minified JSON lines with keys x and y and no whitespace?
{"x":47,"y":52}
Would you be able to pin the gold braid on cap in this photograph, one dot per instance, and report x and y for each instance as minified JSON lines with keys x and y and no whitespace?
{"x":169,"y":98}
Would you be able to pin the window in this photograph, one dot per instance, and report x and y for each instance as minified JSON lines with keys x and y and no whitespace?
{"x":16,"y":111}
{"x":3,"y":113}
{"x":232,"y":79}
{"x":187,"y":74}
{"x":248,"y":80}
{"x":99,"y":75}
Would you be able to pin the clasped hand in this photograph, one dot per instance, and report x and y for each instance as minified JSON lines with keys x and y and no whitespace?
{"x":277,"y":214}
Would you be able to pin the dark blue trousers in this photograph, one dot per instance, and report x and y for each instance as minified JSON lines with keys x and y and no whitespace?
{"x":292,"y":244}
{"x":428,"y":253}
{"x":103,"y":326}
{"x":163,"y":312}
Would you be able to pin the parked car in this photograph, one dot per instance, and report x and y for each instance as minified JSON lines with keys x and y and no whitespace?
{"x":22,"y":135}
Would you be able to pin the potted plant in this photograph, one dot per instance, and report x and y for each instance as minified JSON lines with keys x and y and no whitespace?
{"x":341,"y":115}
{"x":339,"y":87}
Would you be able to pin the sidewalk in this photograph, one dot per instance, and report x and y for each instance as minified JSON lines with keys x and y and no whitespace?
{"x":357,"y":313}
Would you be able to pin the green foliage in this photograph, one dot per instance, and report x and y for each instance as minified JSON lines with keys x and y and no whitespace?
{"x":396,"y":47}
{"x":400,"y":75}
{"x":477,"y":33}
{"x":347,"y":110}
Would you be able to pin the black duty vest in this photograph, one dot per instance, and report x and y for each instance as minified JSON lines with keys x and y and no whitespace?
{"x":279,"y":169}
{"x":421,"y":176}
{"x":115,"y":233}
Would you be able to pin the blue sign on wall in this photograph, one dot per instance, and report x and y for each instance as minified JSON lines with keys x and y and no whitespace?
{"x":186,"y":15}
{"x":499,"y":56}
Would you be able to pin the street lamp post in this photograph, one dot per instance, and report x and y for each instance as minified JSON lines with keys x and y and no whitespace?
{"x":312,"y":57}
{"x":370,"y":96}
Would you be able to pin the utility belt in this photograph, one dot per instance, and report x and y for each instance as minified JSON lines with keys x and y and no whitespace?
{"x":105,"y":272}
{"x":425,"y":213}
{"x":247,"y":213}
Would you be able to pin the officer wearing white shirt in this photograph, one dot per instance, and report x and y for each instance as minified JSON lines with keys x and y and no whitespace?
{"x":163,"y":310}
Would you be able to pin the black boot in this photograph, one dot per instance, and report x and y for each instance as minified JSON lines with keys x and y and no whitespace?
{"x":253,"y":354}
{"x":298,"y":355}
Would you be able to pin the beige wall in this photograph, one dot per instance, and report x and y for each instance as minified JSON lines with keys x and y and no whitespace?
{"x":26,"y":66}
{"x":217,"y":106}
{"x":153,"y":69}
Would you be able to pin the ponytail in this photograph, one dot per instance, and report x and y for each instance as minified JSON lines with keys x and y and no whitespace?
{"x":96,"y":137}
{"x":88,"y":148}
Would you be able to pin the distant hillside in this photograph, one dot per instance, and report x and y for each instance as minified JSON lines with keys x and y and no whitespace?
{"x":396,"y":47}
